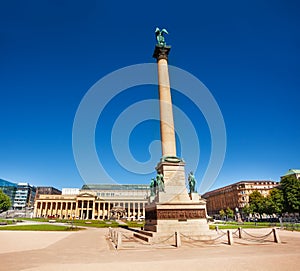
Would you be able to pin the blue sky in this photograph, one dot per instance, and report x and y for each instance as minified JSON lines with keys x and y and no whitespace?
{"x":52,"y":52}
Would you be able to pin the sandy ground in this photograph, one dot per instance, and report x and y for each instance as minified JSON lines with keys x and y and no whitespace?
{"x":91,"y":250}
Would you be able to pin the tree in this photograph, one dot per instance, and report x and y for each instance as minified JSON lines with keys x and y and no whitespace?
{"x":229,"y":213}
{"x":222,"y":213}
{"x":290,"y":187}
{"x":247,"y":210}
{"x":257,"y":203}
{"x":275,"y":202}
{"x":4,"y":201}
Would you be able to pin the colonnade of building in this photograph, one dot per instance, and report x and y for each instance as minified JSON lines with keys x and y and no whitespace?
{"x":76,"y":207}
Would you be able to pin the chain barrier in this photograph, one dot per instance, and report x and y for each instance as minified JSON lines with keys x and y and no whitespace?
{"x":129,"y":238}
{"x":258,"y":237}
{"x":222,"y":231}
{"x":235,"y":233}
{"x":160,"y":242}
{"x":204,"y":241}
{"x":173,"y":235}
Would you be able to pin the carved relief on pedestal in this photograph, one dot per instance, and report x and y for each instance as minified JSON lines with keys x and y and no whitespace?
{"x":181,"y":214}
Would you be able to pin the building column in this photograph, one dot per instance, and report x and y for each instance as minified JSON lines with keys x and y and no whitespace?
{"x":87,"y":209}
{"x":55,"y":211}
{"x":67,"y":209}
{"x":108,"y":211}
{"x":144,"y":213}
{"x":35,"y":209}
{"x":93,"y":212}
{"x":51,"y":208}
{"x":46,"y":208}
{"x":41,"y":209}
{"x":76,"y":209}
{"x":139,"y":210}
{"x":71,"y":209}
{"x":128,"y":210}
{"x":103,"y":209}
{"x":134,"y":209}
{"x":61,"y":206}
{"x":99,"y":203}
{"x":82,"y":204}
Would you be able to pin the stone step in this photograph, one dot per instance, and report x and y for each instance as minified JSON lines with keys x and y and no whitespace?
{"x":147,"y":233}
{"x":142,"y":237}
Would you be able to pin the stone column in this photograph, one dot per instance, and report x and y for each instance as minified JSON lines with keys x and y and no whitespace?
{"x":71,"y":209}
{"x":46,"y":209}
{"x":61,"y":207}
{"x":66,"y":210}
{"x":76,"y":209}
{"x":41,"y":210}
{"x":35,"y":209}
{"x":108,"y":210}
{"x":87,"y":209}
{"x":103,"y":210}
{"x":167,"y":133}
{"x":98,"y":211}
{"x":82,"y":204}
{"x":56,"y":203}
{"x":128,"y":210}
{"x":93,"y":211}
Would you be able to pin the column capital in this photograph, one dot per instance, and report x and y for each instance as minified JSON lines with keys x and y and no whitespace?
{"x":161,"y":52}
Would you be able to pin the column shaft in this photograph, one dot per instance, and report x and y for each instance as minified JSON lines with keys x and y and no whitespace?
{"x":166,"y":111}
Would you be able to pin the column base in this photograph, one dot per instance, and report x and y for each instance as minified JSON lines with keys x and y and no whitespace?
{"x":176,"y":210}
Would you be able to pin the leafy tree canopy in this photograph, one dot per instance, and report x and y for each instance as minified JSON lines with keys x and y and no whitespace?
{"x":290,"y":187}
{"x":222,"y":213}
{"x":229,"y":213}
{"x":257,"y":202}
{"x":4,"y":201}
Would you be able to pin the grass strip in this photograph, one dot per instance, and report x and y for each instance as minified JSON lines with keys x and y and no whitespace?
{"x":38,"y":227}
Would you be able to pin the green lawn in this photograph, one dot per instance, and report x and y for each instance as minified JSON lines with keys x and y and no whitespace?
{"x":93,"y":223}
{"x":44,"y":219}
{"x":265,"y":224}
{"x":8,"y":221}
{"x":253,"y":225}
{"x":232,"y":226}
{"x":89,"y":223}
{"x":39,"y":227}
{"x":135,"y":224}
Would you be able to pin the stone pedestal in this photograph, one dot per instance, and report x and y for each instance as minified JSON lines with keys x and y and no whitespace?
{"x":174,"y":209}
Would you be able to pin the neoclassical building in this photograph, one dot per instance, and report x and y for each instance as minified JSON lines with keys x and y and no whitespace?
{"x":235,"y":195}
{"x":95,"y":201}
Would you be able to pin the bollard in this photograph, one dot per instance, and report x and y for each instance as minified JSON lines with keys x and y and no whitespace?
{"x":276,"y":236}
{"x":230,"y":239}
{"x":177,"y":239}
{"x":114,"y":239}
{"x":240,"y":232}
{"x":119,"y":240}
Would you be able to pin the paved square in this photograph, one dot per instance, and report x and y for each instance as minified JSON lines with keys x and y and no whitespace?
{"x":90,"y":250}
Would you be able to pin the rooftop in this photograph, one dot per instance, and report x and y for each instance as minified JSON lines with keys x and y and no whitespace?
{"x":292,"y":171}
{"x":115,"y":187}
{"x":7,"y":183}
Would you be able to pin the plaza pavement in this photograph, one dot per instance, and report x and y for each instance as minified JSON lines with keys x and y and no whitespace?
{"x":91,"y":250}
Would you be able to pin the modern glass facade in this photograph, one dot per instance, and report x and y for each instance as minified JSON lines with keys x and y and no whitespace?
{"x":9,"y":189}
{"x":24,"y":196}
